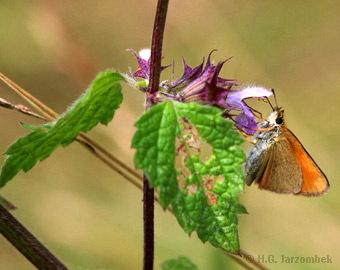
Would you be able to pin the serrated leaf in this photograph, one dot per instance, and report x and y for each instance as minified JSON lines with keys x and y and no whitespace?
{"x":215,"y":221}
{"x":182,"y":263}
{"x":155,"y":144}
{"x":97,"y":105}
{"x":211,"y":211}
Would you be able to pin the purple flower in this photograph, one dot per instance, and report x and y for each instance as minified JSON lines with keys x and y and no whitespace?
{"x":188,"y":76}
{"x":246,"y":119}
{"x":201,"y":85}
{"x":204,"y":85}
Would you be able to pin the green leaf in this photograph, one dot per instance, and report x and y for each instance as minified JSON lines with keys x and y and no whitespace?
{"x":214,"y":222}
{"x":182,"y":263}
{"x":155,"y":144}
{"x":97,"y":105}
{"x":208,"y":202}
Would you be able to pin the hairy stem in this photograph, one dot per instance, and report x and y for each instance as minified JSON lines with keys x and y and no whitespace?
{"x":156,"y":45}
{"x":155,"y":72}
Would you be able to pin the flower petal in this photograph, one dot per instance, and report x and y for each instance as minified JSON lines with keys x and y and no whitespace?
{"x":189,"y":75}
{"x":145,"y":54}
{"x":143,"y":70}
{"x":243,"y":121}
{"x":235,"y":99}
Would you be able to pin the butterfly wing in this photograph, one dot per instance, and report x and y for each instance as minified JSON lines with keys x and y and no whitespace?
{"x":282,"y":173}
{"x":315,"y":182}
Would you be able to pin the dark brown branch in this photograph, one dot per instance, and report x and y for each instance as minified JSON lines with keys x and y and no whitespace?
{"x":26,"y":243}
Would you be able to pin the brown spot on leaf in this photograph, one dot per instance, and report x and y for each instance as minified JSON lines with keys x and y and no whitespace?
{"x":208,"y":183}
{"x":192,"y":189}
{"x":211,"y":197}
{"x":187,"y":140}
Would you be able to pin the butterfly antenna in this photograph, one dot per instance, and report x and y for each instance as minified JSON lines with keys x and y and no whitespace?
{"x":270,"y":104}
{"x":277,"y":107}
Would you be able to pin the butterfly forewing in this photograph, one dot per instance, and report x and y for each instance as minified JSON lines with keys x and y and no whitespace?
{"x":282,"y":173}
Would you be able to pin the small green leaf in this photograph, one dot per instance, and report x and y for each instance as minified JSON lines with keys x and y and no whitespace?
{"x":182,"y":263}
{"x":211,"y":209}
{"x":30,"y":127}
{"x":142,"y":84}
{"x":97,"y":105}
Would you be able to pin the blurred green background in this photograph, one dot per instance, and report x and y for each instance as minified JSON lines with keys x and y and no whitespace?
{"x":89,"y":216}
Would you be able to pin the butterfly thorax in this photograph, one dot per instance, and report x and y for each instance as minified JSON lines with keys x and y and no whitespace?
{"x":271,"y":127}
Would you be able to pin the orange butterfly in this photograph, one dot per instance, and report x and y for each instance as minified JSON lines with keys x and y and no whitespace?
{"x":278,"y":161}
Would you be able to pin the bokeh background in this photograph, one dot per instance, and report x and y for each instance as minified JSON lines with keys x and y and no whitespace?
{"x":89,"y":216}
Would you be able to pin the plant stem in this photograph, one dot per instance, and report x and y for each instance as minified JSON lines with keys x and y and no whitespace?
{"x":156,"y":45}
{"x":155,"y":72}
{"x":148,"y":217}
{"x":26,"y":243}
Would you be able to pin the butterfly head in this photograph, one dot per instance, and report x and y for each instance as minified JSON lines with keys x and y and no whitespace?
{"x":276,"y":118}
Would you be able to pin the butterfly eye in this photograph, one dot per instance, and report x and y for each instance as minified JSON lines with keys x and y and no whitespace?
{"x":279,"y":120}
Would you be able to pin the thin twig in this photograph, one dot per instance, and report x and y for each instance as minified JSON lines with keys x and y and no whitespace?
{"x":97,"y":155}
{"x":109,"y":155}
{"x":238,"y":260}
{"x":113,"y":167}
{"x":20,"y":108}
{"x":37,"y":104}
{"x":251,"y":259}
{"x":26,"y":243}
